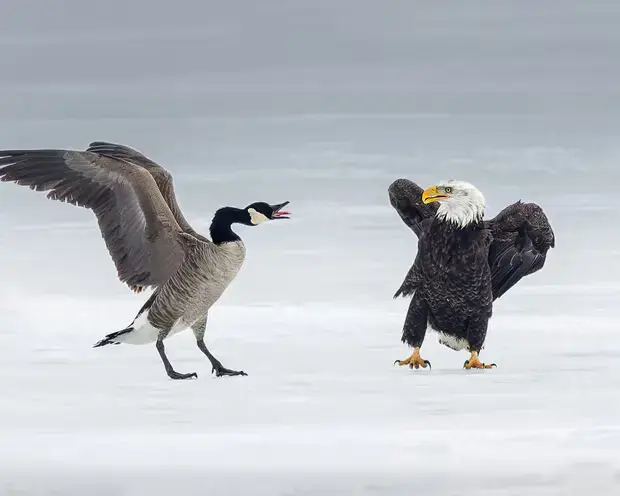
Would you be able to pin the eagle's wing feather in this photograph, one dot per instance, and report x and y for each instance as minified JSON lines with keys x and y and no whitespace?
{"x":522,"y":236}
{"x":406,"y":198}
{"x":411,"y":281}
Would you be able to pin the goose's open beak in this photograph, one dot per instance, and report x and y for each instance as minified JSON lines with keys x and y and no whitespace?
{"x":278,"y":213}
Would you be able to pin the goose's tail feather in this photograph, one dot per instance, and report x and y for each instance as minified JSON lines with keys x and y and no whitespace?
{"x":112,"y":338}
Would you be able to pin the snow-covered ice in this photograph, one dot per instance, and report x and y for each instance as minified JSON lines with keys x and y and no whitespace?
{"x":521,"y":102}
{"x":311,"y":319}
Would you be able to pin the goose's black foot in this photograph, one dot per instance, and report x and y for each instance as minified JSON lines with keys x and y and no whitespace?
{"x":217,"y":367}
{"x":220,"y":371}
{"x":173,"y":374}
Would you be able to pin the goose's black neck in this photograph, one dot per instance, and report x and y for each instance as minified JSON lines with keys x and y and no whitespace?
{"x":221,"y":226}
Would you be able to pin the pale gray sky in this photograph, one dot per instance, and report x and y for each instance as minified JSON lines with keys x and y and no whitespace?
{"x":204,"y":58}
{"x":322,"y":103}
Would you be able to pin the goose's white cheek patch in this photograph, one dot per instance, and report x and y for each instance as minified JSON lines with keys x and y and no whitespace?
{"x":256,"y":217}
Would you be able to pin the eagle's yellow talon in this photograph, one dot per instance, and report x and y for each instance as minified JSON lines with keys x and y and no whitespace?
{"x":415,"y":360}
{"x":475,"y":363}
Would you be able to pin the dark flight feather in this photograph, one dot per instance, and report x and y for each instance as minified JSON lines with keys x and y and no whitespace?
{"x":142,"y":235}
{"x":162,"y":177}
{"x":521,"y":234}
{"x":406,"y":198}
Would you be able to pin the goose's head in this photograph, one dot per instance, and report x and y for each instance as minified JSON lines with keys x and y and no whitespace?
{"x":260,"y":212}
{"x":252,"y":215}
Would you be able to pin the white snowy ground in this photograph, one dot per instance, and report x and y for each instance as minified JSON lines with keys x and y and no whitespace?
{"x":311,"y":320}
{"x":323,"y":103}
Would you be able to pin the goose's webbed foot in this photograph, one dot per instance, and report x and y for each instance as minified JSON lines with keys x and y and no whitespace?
{"x":217,"y":367}
{"x":220,"y":370}
{"x":173,"y":374}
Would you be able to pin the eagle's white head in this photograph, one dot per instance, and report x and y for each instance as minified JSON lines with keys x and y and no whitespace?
{"x":459,"y":202}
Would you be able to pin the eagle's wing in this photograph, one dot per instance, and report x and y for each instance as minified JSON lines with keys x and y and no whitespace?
{"x":162,"y":177}
{"x":411,"y":281}
{"x":144,"y":239}
{"x":522,"y":236}
{"x":406,"y":198}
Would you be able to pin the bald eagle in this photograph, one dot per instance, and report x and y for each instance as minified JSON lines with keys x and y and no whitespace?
{"x":463,"y":263}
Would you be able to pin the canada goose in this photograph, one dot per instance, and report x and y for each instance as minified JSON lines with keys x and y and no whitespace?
{"x":149,"y":240}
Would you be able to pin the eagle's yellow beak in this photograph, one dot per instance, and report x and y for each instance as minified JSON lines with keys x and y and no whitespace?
{"x":431,"y":195}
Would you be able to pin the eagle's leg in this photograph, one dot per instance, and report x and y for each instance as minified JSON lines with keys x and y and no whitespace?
{"x":475,"y":363}
{"x":415,"y":360}
{"x":414,"y":331}
{"x":476,"y":334}
{"x":199,"y":328}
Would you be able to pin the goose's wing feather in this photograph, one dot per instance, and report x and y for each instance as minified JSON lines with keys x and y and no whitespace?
{"x":522,"y":236}
{"x":406,"y":198}
{"x":162,"y":177}
{"x":144,"y":239}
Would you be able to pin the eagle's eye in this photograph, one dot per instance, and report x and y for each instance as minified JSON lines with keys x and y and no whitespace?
{"x":448,"y":189}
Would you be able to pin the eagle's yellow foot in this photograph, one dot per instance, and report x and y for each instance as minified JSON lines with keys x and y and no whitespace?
{"x":415,"y":360}
{"x":475,"y":363}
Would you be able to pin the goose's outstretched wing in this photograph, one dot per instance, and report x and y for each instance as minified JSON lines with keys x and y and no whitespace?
{"x":143,"y":237}
{"x":162,"y":177}
{"x":406,"y":198}
{"x":522,"y":236}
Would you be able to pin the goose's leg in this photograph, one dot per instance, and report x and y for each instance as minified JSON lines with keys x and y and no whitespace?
{"x":199,"y":328}
{"x":173,"y":374}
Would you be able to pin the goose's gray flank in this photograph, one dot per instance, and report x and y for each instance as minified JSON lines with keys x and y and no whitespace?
{"x":149,"y":240}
